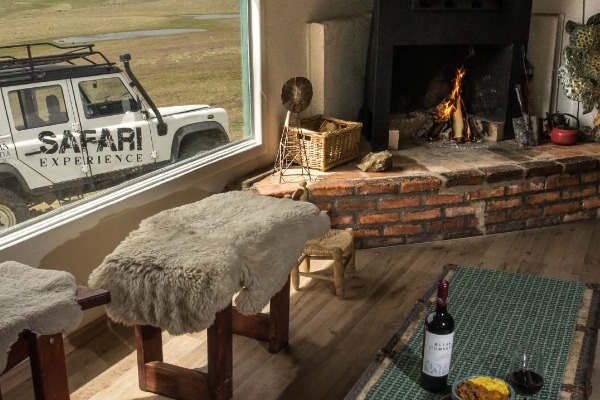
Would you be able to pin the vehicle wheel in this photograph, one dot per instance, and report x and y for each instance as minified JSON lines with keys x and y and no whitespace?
{"x":13,"y":208}
{"x":197,"y":143}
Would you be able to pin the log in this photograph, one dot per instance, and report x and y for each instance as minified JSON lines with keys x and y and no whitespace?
{"x":458,"y":123}
{"x":437,"y":128}
{"x":467,"y":127}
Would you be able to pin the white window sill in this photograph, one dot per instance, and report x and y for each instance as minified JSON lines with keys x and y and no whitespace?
{"x":215,"y":170}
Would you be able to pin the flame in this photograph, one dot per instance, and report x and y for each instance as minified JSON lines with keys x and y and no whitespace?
{"x":447,"y":107}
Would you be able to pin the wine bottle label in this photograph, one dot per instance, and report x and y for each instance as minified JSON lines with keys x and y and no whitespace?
{"x":437,"y":351}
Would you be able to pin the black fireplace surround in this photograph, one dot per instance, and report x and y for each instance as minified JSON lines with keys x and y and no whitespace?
{"x":416,"y":46}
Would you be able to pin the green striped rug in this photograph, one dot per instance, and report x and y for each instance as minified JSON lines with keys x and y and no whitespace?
{"x":493,"y":311}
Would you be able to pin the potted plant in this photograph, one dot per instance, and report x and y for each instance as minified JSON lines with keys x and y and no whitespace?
{"x":580,"y":72}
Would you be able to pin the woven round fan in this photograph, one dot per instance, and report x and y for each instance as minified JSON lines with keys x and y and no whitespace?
{"x":296,"y":94}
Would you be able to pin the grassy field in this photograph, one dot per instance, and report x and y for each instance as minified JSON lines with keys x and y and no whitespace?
{"x":196,"y":68}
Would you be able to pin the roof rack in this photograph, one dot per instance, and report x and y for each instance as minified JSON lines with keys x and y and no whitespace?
{"x":30,"y":62}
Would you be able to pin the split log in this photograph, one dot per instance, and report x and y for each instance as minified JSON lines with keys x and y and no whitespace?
{"x":468,"y":131}
{"x":458,"y":123}
{"x":437,"y":128}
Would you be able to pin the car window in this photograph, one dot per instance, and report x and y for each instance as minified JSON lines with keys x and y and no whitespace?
{"x":38,"y":107}
{"x":108,"y":96}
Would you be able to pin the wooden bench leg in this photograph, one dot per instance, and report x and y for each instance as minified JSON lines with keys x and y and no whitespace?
{"x":187,"y":384}
{"x":279,"y":319}
{"x":183,"y":383}
{"x":272,"y":327}
{"x":220,"y":356}
{"x":47,"y":353}
{"x":48,"y":366}
{"x":148,"y":342}
{"x":295,"y":276}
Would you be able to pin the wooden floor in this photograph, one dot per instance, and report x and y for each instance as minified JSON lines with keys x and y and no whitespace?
{"x":333,"y":341}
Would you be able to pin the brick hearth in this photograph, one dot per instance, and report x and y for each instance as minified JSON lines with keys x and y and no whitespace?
{"x":437,"y":192}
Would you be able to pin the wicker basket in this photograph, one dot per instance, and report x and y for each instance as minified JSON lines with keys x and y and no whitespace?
{"x":327,"y":149}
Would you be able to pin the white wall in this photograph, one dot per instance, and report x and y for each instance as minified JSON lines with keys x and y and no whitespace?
{"x":285,"y":49}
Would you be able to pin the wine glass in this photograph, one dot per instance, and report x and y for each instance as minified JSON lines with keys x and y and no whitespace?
{"x":526,"y":372}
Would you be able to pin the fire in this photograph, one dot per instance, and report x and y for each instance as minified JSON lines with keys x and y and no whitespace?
{"x":451,"y":110}
{"x":448,"y":106}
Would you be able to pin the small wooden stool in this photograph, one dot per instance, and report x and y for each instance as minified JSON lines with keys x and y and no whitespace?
{"x":47,"y":355}
{"x":189,"y":384}
{"x":336,"y":245}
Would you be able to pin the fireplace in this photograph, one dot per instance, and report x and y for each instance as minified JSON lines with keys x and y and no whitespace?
{"x":416,"y":47}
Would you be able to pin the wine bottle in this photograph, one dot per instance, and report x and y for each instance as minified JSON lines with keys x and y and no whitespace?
{"x":437,"y":343}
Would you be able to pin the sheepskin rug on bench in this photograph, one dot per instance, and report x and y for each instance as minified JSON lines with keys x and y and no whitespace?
{"x":39,"y":300}
{"x":183,"y":265}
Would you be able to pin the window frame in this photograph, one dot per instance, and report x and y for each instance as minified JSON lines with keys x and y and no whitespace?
{"x":221,"y":161}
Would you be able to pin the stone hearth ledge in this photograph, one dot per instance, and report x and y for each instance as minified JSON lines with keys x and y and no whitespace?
{"x":435,"y":193}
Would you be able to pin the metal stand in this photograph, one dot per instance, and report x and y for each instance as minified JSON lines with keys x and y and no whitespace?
{"x":291,"y":150}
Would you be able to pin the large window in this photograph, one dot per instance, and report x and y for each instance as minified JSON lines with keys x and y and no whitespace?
{"x":79,"y":134}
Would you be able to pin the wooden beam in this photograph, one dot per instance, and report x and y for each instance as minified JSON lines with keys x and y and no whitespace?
{"x":176,"y":382}
{"x":272,"y":327}
{"x":90,"y":297}
{"x":253,"y":326}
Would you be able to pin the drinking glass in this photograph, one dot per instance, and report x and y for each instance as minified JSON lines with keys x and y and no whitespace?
{"x":526,"y":372}
{"x":521,"y":132}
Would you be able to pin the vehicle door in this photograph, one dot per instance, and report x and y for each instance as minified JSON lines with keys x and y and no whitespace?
{"x":40,"y":119}
{"x":114,"y":134}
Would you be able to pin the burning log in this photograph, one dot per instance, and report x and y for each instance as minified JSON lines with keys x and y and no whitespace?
{"x":452,"y":111}
{"x":436,"y":130}
{"x":461,"y":127}
{"x":458,"y":123}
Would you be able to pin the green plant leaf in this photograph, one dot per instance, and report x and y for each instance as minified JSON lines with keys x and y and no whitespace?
{"x":594,"y":20}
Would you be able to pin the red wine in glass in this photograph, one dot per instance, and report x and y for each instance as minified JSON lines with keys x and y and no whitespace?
{"x":526,"y":381}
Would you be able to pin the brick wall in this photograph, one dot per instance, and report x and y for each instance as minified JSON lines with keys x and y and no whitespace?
{"x":400,"y":210}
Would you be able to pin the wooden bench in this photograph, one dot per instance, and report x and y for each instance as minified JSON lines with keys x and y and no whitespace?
{"x":47,"y":355}
{"x":180,"y":270}
{"x":186,"y":384}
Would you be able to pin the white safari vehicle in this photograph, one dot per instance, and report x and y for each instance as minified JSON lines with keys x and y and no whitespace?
{"x":71,"y":123}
